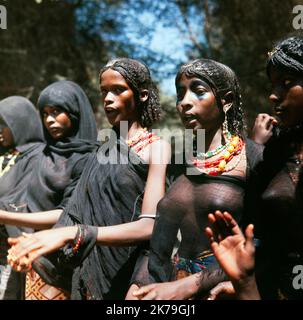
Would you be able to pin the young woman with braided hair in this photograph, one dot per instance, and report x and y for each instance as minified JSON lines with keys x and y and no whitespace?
{"x":106,"y":207}
{"x":208,"y":98}
{"x":278,"y":189}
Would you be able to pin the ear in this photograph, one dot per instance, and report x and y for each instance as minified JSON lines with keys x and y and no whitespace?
{"x":143,"y":95}
{"x":227,"y":101}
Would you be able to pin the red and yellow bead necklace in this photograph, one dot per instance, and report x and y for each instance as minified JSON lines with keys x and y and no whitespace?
{"x":219,"y":165}
{"x":142,"y":140}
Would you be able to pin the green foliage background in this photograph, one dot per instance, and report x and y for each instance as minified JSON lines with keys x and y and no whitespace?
{"x":48,"y":40}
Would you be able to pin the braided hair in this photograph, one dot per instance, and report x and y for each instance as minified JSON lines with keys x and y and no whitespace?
{"x":221,"y":79}
{"x":137,"y":76}
{"x":287,"y":55}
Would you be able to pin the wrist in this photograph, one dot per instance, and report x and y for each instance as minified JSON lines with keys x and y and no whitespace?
{"x":246,"y":288}
{"x":189,"y":286}
{"x":70,"y":233}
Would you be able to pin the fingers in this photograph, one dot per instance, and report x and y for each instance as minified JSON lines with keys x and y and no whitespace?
{"x":152,"y":295}
{"x":214,"y":220}
{"x":13,"y":241}
{"x":265,"y":121}
{"x":222,"y":225}
{"x":232,"y":223}
{"x":23,"y":248}
{"x":249,"y":233}
{"x":146,"y":293}
{"x":143,"y":290}
{"x":225,"y":287}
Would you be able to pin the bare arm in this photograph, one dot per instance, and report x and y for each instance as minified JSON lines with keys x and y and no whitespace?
{"x":181,"y":289}
{"x":133,"y":232}
{"x":38,"y":220}
{"x":119,"y":235}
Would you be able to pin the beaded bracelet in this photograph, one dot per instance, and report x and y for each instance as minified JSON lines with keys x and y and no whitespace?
{"x":78,"y":239}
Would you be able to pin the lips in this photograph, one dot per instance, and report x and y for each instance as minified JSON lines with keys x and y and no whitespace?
{"x":54,"y":130}
{"x":110,"y":112}
{"x":279,"y":110}
{"x":189,"y":118}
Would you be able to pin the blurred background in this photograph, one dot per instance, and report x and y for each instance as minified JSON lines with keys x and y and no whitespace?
{"x":49,"y":40}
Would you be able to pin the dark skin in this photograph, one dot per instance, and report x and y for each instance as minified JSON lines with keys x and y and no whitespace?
{"x":57,"y":122}
{"x":119,"y":103}
{"x":198,"y":109}
{"x":234,"y":252}
{"x":287,"y":97}
{"x":6,"y":138}
{"x":118,"y":98}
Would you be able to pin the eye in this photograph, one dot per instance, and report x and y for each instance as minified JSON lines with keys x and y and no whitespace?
{"x":118,"y":90}
{"x":200,"y":92}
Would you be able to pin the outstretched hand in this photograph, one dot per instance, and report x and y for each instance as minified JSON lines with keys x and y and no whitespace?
{"x":28,"y":247}
{"x":234,"y":252}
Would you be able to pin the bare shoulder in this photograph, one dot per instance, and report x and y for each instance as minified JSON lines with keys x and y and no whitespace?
{"x":159,"y":152}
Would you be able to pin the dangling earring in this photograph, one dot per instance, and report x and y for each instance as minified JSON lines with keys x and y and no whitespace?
{"x":225,"y":128}
{"x":225,"y":124}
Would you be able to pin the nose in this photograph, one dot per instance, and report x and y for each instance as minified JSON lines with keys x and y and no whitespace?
{"x":276,"y":96}
{"x":50,"y":119}
{"x":186,"y":102}
{"x":109,"y":98}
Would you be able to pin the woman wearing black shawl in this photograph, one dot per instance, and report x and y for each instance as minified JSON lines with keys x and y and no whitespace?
{"x":70,"y":132}
{"x":109,"y":193}
{"x":21,"y":141}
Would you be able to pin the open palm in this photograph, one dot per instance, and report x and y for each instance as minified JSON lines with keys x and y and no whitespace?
{"x":234,"y":251}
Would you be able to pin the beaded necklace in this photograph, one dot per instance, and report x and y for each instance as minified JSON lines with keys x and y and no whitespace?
{"x":219,"y":165}
{"x":142,"y":140}
{"x":11,"y":157}
{"x":217,"y":150}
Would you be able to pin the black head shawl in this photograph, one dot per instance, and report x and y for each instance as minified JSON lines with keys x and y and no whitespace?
{"x":62,"y":161}
{"x":68,"y":96}
{"x":22,"y":119}
{"x":107,"y":194}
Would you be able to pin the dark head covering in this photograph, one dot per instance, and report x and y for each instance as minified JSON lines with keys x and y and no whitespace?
{"x":221,"y":79}
{"x":69,"y":97}
{"x":62,"y":161}
{"x":22,"y":119}
{"x":24,"y":122}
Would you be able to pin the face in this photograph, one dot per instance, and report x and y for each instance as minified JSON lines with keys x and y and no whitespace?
{"x":197,"y":105}
{"x":287,"y":97}
{"x":57,"y":122}
{"x":6,"y":137}
{"x":117,"y":98}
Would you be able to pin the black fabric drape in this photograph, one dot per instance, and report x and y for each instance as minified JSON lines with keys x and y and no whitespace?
{"x":19,"y":114}
{"x":23,"y":120}
{"x":108,"y":193}
{"x":62,"y":162}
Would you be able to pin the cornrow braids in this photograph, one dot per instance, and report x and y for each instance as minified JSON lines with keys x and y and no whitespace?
{"x":137,"y":76}
{"x":287,"y":55}
{"x":221,"y":79}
